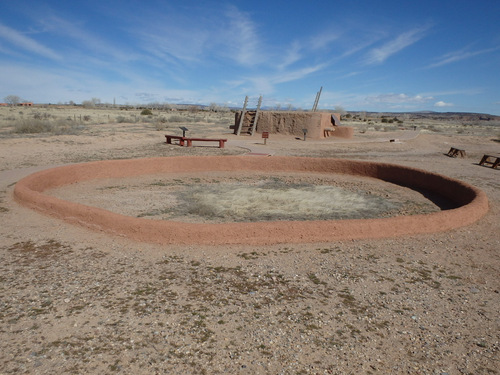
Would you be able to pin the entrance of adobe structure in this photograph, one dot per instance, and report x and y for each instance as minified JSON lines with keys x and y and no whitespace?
{"x":246,"y":121}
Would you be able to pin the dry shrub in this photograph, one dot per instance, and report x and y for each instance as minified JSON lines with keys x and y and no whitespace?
{"x":176,"y":118}
{"x":37,"y":126}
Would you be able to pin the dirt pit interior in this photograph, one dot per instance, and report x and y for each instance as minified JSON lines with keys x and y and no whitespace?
{"x":222,"y":197}
{"x":241,"y":199}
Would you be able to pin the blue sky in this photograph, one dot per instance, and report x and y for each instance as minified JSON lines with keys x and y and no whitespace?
{"x":367,"y":55}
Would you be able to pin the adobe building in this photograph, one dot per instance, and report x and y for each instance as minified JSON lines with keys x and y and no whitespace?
{"x":319,"y":125}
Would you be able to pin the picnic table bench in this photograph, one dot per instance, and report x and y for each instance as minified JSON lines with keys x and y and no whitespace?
{"x":493,"y":160}
{"x":189,"y":141}
{"x":454,"y":152}
{"x":170,"y":137}
{"x":221,"y":141}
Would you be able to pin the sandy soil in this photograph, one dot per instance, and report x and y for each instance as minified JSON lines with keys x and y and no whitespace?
{"x":79,"y":301}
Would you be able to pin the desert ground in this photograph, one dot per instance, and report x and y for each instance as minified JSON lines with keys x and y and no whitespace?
{"x":79,"y":301}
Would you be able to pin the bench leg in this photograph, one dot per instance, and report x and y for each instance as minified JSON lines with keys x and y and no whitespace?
{"x":483,"y":160}
{"x":221,"y":144}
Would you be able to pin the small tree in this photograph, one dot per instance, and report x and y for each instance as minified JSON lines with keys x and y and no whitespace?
{"x":213,"y":107}
{"x":340,"y":109}
{"x":12,"y":99}
{"x":91,"y":103}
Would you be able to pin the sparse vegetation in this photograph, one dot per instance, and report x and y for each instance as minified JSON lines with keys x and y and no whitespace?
{"x":35,"y":126}
{"x":13,"y":100}
{"x":253,"y":199}
{"x":78,"y":303}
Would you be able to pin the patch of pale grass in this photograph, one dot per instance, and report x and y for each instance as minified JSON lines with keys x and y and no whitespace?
{"x":235,"y":202}
{"x":36,"y":126}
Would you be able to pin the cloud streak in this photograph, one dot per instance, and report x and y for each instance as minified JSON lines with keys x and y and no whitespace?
{"x":242,"y":37}
{"x":83,"y":37}
{"x":399,"y":98}
{"x":292,"y":55}
{"x":460,"y":55}
{"x":380,"y":54}
{"x":21,"y":41}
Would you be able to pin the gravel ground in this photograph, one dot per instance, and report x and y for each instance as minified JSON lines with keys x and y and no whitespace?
{"x":75,"y":301}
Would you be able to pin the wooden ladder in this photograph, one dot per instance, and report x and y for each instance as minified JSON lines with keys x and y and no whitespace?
{"x":248,"y":128}
{"x":253,"y":122}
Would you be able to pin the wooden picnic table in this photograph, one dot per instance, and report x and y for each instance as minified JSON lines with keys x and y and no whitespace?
{"x":454,"y":152}
{"x":493,"y":160}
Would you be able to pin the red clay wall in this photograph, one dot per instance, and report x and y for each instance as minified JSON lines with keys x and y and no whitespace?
{"x":345,"y":132}
{"x":472,"y":202}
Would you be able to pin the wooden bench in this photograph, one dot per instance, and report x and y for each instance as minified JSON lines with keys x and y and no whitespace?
{"x":492,"y":160}
{"x":179,"y":138}
{"x":454,"y":152}
{"x":190,"y":141}
{"x":328,"y":132}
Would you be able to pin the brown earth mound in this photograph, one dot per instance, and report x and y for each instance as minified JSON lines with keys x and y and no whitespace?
{"x":472,"y":202}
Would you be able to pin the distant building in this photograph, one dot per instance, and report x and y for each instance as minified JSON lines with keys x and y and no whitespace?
{"x":3,"y":104}
{"x":26,"y":104}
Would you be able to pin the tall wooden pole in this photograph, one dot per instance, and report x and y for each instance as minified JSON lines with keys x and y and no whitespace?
{"x":242,"y":116}
{"x":315,"y":106}
{"x":256,"y":115}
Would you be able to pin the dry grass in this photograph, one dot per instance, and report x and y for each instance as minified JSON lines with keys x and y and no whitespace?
{"x":57,"y":120}
{"x":55,"y":127}
{"x":195,"y":120}
{"x":249,"y":198}
{"x":276,"y":200}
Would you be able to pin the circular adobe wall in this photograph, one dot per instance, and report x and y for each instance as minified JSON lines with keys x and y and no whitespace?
{"x":472,"y":203}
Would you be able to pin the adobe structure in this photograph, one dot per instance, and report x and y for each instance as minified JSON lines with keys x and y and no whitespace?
{"x":25,"y":104}
{"x":319,"y":125}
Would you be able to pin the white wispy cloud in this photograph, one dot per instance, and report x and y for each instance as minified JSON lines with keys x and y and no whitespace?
{"x":242,"y":37}
{"x":75,"y":30}
{"x":468,"y":91}
{"x":443,"y":104}
{"x":380,"y":54}
{"x":177,"y":38}
{"x":459,"y":55}
{"x":395,"y":101}
{"x":266,"y":84}
{"x":323,"y":40}
{"x":297,"y":74}
{"x":174,"y":44}
{"x":292,"y":55}
{"x":61,"y":84}
{"x":349,"y":75}
{"x":398,"y":98}
{"x":21,"y":41}
{"x":359,"y":46}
